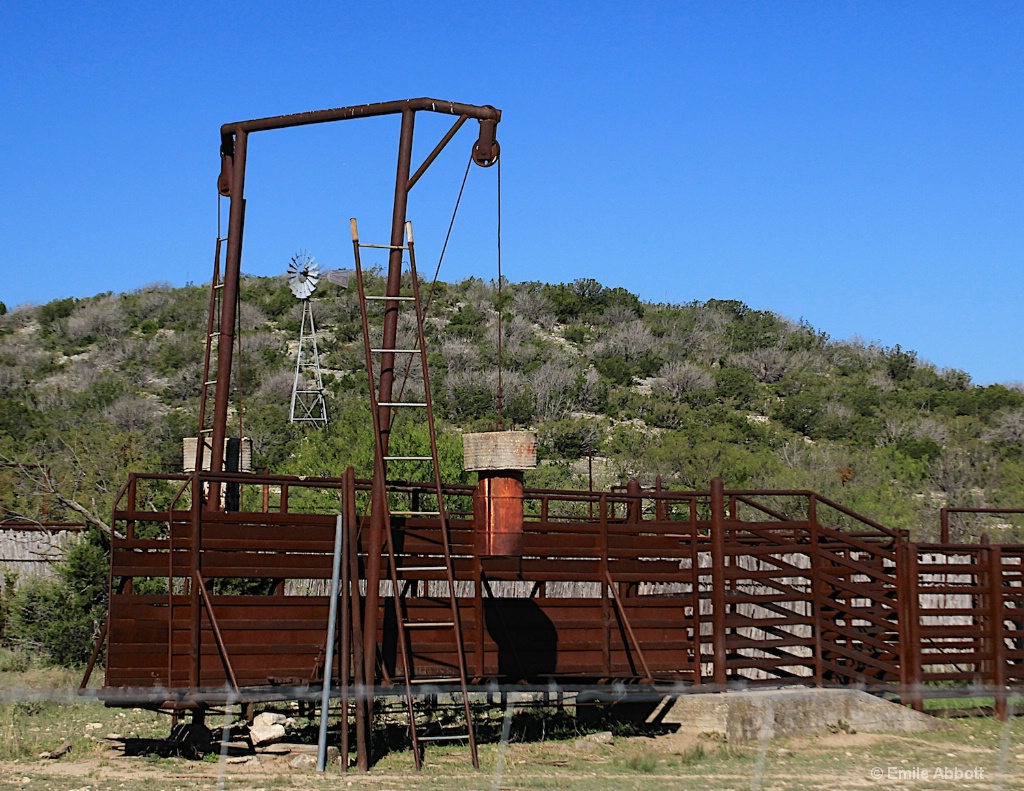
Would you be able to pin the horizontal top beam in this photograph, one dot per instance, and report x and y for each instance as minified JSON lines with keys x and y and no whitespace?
{"x":478,"y":112}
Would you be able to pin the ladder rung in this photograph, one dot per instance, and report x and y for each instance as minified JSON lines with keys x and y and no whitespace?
{"x":396,"y":351}
{"x":450,"y":680}
{"x":447,"y":737}
{"x":429,"y":624}
{"x":402,"y":403}
{"x":422,"y":568}
{"x":206,"y":431}
{"x":408,"y":458}
{"x":384,"y":246}
{"x":415,"y":513}
{"x":211,"y":382}
{"x":385,"y":298}
{"x":219,"y":285}
{"x":215,"y":334}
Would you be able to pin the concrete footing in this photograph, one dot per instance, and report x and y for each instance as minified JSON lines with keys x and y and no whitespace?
{"x":783,"y":713}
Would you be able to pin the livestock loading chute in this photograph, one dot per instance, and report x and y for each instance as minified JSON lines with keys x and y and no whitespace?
{"x":458,"y":589}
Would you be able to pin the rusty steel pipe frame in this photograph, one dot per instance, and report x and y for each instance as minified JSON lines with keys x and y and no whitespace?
{"x":231,"y":183}
{"x":234,"y":140}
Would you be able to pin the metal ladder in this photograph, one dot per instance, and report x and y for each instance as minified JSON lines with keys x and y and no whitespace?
{"x":209,"y":385}
{"x":382,"y":412}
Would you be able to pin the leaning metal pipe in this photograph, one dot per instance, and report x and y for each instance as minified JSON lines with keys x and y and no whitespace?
{"x":332,"y":619}
{"x":229,"y":301}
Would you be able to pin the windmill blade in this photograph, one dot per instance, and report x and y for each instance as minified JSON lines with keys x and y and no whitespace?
{"x":303,"y":275}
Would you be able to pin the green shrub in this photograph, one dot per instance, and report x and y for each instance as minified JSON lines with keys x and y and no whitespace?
{"x":58,"y":618}
{"x":54,"y":311}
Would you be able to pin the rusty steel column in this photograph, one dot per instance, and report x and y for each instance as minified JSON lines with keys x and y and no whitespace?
{"x":718,"y":606}
{"x":394,"y":281}
{"x":229,"y":301}
{"x":378,"y":520}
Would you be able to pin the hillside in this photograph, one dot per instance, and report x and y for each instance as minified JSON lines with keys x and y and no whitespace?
{"x":97,"y":387}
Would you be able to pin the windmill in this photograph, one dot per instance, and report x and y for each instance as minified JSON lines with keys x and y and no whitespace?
{"x":308,"y":405}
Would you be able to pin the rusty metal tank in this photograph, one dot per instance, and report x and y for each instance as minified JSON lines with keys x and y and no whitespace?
{"x":498,"y":514}
{"x":499,"y":457}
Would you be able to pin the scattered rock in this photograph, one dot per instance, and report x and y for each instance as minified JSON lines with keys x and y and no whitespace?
{"x":603,"y":737}
{"x":267,"y":718}
{"x":64,"y":749}
{"x":265,"y":734}
{"x":92,"y":726}
{"x":243,"y":759}
{"x":303,"y":761}
{"x":277,"y":749}
{"x":113,"y":737}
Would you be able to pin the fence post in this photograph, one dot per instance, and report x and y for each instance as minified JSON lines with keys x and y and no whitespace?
{"x":995,"y":596}
{"x":660,"y":512}
{"x":812,"y":518}
{"x":718,"y":606}
{"x":634,"y":507}
{"x":910,"y":646}
{"x":698,"y":639}
{"x":194,"y":572}
{"x":606,"y":613}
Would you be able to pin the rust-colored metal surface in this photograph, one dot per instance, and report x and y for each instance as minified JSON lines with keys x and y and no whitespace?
{"x":498,"y":514}
{"x":708,"y":587}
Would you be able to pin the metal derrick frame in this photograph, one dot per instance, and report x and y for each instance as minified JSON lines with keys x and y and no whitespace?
{"x":231,"y":183}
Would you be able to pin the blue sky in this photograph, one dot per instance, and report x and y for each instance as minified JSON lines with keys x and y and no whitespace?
{"x":857,"y":165}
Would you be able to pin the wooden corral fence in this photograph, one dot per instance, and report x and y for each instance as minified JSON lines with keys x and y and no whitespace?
{"x":30,"y":546}
{"x":643,"y":587}
{"x":29,"y":549}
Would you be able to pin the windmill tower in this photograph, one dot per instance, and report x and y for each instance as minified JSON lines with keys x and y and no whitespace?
{"x":308,"y":405}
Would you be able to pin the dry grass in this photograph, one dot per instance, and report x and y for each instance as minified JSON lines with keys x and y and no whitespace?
{"x":46,"y":712}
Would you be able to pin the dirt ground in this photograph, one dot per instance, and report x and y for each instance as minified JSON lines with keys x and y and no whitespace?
{"x":986,"y":755}
{"x":113,"y":749}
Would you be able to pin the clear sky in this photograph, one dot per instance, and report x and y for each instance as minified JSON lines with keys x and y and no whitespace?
{"x":858,"y":165}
